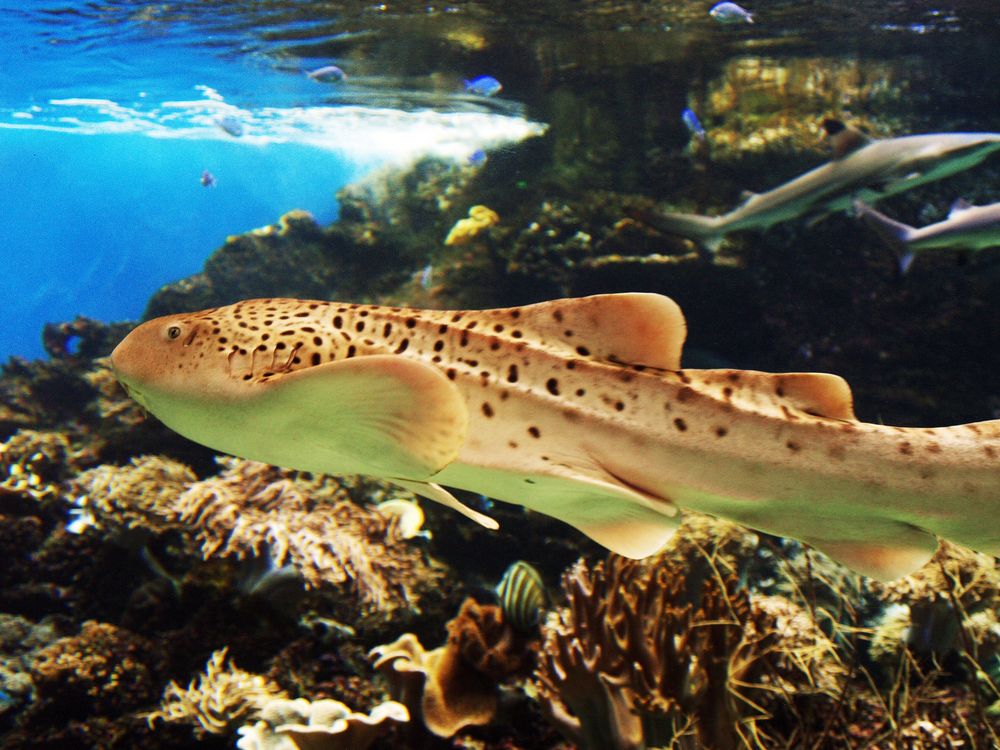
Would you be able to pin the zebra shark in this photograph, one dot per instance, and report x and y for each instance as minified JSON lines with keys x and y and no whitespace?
{"x":575,"y":408}
{"x":862,"y":168}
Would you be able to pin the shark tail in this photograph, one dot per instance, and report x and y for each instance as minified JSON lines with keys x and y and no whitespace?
{"x":707,"y":231}
{"x":895,"y":234}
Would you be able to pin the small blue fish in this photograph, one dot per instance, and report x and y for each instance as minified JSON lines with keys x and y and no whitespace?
{"x":484,"y":86}
{"x":730,"y":13}
{"x":427,"y":276}
{"x":693,"y":124}
{"x":522,"y":596}
{"x":232,"y":125}
{"x":477,"y":158}
{"x":207,"y":179}
{"x":328,"y":73}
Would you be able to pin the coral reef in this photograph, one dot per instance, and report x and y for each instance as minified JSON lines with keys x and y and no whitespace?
{"x":252,"y":509}
{"x":219,"y":699}
{"x":455,"y":685}
{"x":320,"y":725}
{"x":480,"y":218}
{"x":633,"y":662}
{"x":103,"y":670}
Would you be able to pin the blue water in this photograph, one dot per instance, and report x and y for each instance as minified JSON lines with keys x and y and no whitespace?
{"x":109,"y":114}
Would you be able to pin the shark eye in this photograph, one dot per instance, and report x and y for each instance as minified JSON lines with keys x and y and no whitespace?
{"x":173,"y":332}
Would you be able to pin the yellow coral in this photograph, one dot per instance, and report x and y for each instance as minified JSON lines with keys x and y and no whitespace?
{"x":218,"y":699}
{"x":480,"y":218}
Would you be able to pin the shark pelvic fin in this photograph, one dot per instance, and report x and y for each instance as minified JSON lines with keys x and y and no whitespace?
{"x":439,"y":494}
{"x":381,"y":415}
{"x":631,"y":328}
{"x":883,"y":562}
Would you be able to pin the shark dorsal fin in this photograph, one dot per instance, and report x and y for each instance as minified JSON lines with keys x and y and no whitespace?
{"x":633,"y":328}
{"x":817,"y":393}
{"x":843,"y":139}
{"x":959,"y":206}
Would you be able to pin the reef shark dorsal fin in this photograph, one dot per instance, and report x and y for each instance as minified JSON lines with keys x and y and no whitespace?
{"x":843,"y":139}
{"x":960,"y":205}
{"x":381,"y":415}
{"x":632,"y":328}
{"x":817,"y":393}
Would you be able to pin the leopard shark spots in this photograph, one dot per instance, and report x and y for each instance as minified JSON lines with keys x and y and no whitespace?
{"x":576,"y":408}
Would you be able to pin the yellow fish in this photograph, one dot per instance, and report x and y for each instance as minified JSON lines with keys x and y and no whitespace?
{"x":576,"y":408}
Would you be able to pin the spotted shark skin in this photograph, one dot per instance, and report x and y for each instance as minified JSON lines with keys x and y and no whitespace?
{"x":576,"y":408}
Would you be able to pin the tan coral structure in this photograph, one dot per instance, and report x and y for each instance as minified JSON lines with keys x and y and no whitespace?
{"x":639,"y":660}
{"x":252,"y":508}
{"x":455,"y":685}
{"x":320,"y":725}
{"x":217,"y":700}
{"x":309,"y":522}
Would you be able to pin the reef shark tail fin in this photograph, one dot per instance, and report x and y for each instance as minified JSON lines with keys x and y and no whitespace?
{"x":706,"y":231}
{"x":894,"y":234}
{"x":381,"y":415}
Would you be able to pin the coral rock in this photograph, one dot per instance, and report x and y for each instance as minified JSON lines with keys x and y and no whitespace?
{"x":320,"y":725}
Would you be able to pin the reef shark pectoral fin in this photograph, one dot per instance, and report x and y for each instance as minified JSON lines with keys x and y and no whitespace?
{"x":439,"y":494}
{"x":380,"y":415}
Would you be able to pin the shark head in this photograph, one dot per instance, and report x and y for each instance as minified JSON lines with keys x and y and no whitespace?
{"x":159,"y":358}
{"x":940,"y":155}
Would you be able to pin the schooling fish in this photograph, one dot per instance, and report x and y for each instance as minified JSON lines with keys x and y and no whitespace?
{"x":232,"y":125}
{"x":730,"y":13}
{"x":862,"y":168}
{"x":576,"y":408}
{"x":693,"y":124}
{"x":484,"y":86}
{"x":328,"y":73}
{"x":967,"y":226}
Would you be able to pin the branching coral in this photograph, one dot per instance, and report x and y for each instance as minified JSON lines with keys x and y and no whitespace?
{"x":217,"y":700}
{"x":634,"y":661}
{"x":455,"y":685}
{"x":320,"y":725}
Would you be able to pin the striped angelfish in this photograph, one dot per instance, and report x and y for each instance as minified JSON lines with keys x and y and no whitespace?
{"x":522,"y":596}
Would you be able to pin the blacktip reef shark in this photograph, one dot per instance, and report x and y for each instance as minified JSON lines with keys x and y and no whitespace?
{"x":576,"y":408}
{"x":967,"y":227}
{"x":862,"y":168}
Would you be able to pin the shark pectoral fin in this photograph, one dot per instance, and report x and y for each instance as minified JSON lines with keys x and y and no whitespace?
{"x":817,"y":393}
{"x":439,"y":494}
{"x":884,"y":562}
{"x":630,"y":328}
{"x":381,"y":415}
